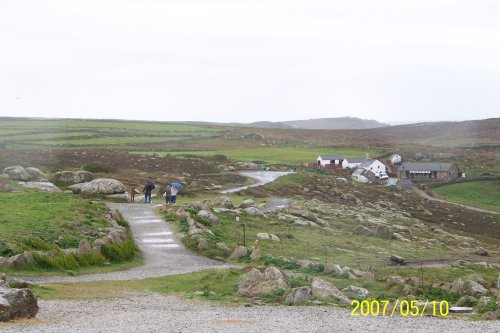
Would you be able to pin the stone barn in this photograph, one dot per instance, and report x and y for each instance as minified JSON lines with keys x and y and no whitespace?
{"x":428,"y":171}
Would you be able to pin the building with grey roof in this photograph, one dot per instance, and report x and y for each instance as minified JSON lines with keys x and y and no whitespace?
{"x":428,"y":171}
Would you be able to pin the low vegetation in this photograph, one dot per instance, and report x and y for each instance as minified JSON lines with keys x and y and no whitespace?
{"x":484,"y":194}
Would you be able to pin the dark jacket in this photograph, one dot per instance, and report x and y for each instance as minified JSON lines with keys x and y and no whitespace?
{"x":149,"y":187}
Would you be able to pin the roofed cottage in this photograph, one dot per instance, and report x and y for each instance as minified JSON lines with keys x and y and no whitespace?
{"x":426,"y":171}
{"x":326,"y":161}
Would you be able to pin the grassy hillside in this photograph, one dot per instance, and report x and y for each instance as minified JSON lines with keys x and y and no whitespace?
{"x":482,"y":194}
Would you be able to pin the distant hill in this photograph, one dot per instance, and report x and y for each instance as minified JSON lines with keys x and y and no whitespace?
{"x":318,"y":123}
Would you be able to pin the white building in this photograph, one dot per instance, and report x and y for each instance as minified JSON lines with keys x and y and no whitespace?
{"x":324,"y":161}
{"x":395,"y":158}
{"x":353,"y":163}
{"x":375,"y":166}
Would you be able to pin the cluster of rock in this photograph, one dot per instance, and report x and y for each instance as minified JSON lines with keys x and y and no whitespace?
{"x":106,"y":186}
{"x":17,"y":302}
{"x":256,"y":284}
{"x":224,"y":204}
{"x":29,"y":178}
{"x":469,"y":287}
{"x":114,"y":234}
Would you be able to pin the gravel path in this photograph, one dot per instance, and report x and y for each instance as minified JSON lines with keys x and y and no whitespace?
{"x":163,"y":252}
{"x":155,"y":313}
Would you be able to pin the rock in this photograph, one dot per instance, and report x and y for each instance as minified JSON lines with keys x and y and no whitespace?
{"x":224,"y":201}
{"x":36,"y":174}
{"x":357,"y":291}
{"x":22,"y":302}
{"x":324,"y":290}
{"x":99,"y":186}
{"x":42,"y":186}
{"x":73,"y":177}
{"x":362,"y":230}
{"x":408,"y":290}
{"x":263,"y":235}
{"x":121,"y":196}
{"x":3,"y":277}
{"x":204,"y":214}
{"x":366,"y":276}
{"x":248,"y":166}
{"x":481,"y":252}
{"x":414,"y":281}
{"x":247,"y":203}
{"x":4,"y":309}
{"x":256,"y":284}
{"x":304,"y":214}
{"x":304,"y":263}
{"x":467,"y":301}
{"x":84,"y":247}
{"x":256,"y":254}
{"x":398,"y":260}
{"x":299,"y":296}
{"x":17,"y":173}
{"x":492,"y":315}
{"x":202,"y":244}
{"x":239,"y":252}
{"x":223,"y":247}
{"x":274,"y":238}
{"x":331,"y":267}
{"x":472,"y":288}
{"x":20,"y":260}
{"x":252,"y":211}
{"x":395,"y":279}
{"x":400,"y":237}
{"x":383,"y":231}
{"x":4,"y":187}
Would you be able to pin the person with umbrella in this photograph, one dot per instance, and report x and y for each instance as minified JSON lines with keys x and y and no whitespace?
{"x":167,"y":193}
{"x":175,"y":187}
{"x":148,"y":188}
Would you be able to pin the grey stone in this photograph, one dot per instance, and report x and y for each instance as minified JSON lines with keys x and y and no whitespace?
{"x":42,"y":186}
{"x":362,"y":230}
{"x":239,"y":252}
{"x":73,"y":177}
{"x":202,"y":243}
{"x":223,"y":247}
{"x":467,"y":301}
{"x":99,"y":186}
{"x":398,"y":260}
{"x":84,"y":247}
{"x":324,"y":290}
{"x":357,"y":291}
{"x":204,"y":214}
{"x":36,"y":174}
{"x":299,"y":296}
{"x":304,"y":263}
{"x":224,"y":201}
{"x":331,"y":267}
{"x":472,"y":288}
{"x":247,"y":203}
{"x":23,"y":303}
{"x":4,"y":309}
{"x":253,"y":211}
{"x":256,"y":283}
{"x":17,"y":173}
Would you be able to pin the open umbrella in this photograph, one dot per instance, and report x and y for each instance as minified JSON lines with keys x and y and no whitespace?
{"x":177,"y":186}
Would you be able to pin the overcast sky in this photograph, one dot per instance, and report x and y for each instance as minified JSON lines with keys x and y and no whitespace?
{"x":388,"y":60}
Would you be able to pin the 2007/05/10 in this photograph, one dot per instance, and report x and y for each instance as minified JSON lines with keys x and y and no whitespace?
{"x":403,"y":307}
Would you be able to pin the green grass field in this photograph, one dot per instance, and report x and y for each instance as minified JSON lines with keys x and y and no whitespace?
{"x":482,"y":194}
{"x":46,"y":216}
{"x":282,"y":155}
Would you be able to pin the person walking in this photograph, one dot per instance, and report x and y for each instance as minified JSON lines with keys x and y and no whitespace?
{"x":148,"y":188}
{"x":173,"y":194}
{"x":167,"y":192}
{"x":133,"y":192}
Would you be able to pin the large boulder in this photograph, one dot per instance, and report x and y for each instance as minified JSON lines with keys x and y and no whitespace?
{"x":247,"y":203}
{"x":17,"y":303}
{"x":299,"y":296}
{"x":73,"y":177}
{"x":224,"y":201}
{"x":356,"y":291}
{"x":19,"y":260}
{"x":324,"y":291}
{"x":17,"y":173}
{"x":472,"y":288}
{"x":362,"y":230}
{"x":256,"y":283}
{"x":42,"y":186}
{"x":204,"y":214}
{"x":239,"y":252}
{"x":4,"y":187}
{"x":99,"y":186}
{"x":36,"y":174}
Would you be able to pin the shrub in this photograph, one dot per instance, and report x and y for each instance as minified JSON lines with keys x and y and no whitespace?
{"x":277,"y":296}
{"x":36,"y":243}
{"x":492,"y":305}
{"x":119,"y":252}
{"x":278,"y":262}
{"x":438,"y":294}
{"x":59,"y":261}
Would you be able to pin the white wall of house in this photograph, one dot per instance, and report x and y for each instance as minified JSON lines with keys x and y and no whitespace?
{"x":395,"y":158}
{"x":346,"y":164}
{"x":323,"y":162}
{"x":376,"y":167}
